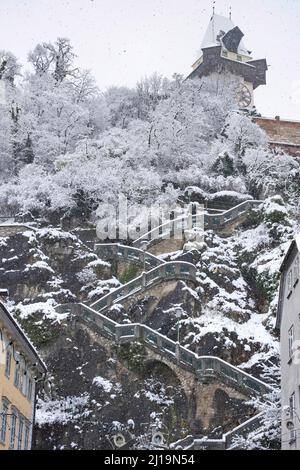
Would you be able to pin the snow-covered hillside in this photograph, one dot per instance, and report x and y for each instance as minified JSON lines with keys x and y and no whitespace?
{"x":67,"y":154}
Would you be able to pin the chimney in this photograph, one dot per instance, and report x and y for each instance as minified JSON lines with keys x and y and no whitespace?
{"x":3,"y":295}
{"x":277,"y":118}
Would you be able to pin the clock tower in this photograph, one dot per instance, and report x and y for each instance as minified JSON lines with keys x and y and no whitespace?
{"x":223,"y":51}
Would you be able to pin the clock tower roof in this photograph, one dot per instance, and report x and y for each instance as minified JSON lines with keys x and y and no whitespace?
{"x":221,"y":31}
{"x":223,"y":50}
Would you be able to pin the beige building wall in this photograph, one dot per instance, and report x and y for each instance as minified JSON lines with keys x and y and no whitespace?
{"x":16,"y":397}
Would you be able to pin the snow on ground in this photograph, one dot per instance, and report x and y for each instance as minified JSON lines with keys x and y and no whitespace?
{"x":154,"y":394}
{"x":61,"y":411}
{"x":3,"y":241}
{"x":106,"y":384}
{"x":39,"y":265}
{"x":55,"y":234}
{"x":104,"y":287}
{"x":98,"y":262}
{"x":47,"y":308}
{"x":252,"y":331}
{"x":255,"y":238}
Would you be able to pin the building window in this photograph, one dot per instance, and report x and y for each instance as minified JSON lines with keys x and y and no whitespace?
{"x":240,"y":58}
{"x":296,"y":271}
{"x":291,"y":341}
{"x":4,"y":412}
{"x":26,"y":438}
{"x":290,"y":282}
{"x":8,"y":363}
{"x":29,"y":390}
{"x":21,"y":379}
{"x":20,"y":433}
{"x":24,"y":385}
{"x":17,"y":376}
{"x":292,"y":416}
{"x":224,"y":53}
{"x":13,"y":426}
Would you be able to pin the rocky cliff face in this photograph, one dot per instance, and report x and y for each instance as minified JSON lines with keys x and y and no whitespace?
{"x":98,"y":388}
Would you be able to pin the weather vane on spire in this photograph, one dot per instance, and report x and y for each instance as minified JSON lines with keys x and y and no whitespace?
{"x":214,"y":6}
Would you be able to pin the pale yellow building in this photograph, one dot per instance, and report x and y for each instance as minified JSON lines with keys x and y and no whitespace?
{"x":20,"y":368}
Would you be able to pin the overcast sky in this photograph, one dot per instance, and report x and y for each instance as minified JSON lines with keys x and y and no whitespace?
{"x":123,"y":40}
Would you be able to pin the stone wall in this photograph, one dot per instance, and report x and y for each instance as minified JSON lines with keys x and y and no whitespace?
{"x":281,"y":133}
{"x":9,"y":230}
{"x":170,"y":245}
{"x":207,"y":401}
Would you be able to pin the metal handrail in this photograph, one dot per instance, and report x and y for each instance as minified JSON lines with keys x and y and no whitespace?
{"x":173,"y":270}
{"x":108,"y":250}
{"x":201,"y":365}
{"x":212,"y":220}
{"x":227,"y":440}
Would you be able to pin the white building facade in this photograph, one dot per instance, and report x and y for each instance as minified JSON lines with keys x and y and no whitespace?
{"x":288,"y":321}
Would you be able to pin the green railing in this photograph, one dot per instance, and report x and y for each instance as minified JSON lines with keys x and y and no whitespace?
{"x":243,"y":430}
{"x":170,"y":229}
{"x":211,"y":221}
{"x":227,"y":217}
{"x":109,"y":251}
{"x":202,"y":366}
{"x":166,"y":271}
{"x":230,"y":440}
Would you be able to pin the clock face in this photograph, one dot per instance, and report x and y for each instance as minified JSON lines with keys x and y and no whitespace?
{"x":244,"y":97}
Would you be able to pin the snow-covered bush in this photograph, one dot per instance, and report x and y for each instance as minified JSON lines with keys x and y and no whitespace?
{"x":275,"y":211}
{"x":86,"y":276}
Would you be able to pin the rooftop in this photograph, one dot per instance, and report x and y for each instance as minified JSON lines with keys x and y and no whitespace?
{"x":21,"y":338}
{"x":218,"y":27}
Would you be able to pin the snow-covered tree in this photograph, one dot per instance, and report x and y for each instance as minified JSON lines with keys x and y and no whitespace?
{"x":9,"y":66}
{"x":268,"y":436}
{"x":57,"y":59}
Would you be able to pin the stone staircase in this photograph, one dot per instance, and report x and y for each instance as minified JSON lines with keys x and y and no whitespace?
{"x":156,"y":271}
{"x":206,"y":220}
{"x":179,"y":270}
{"x":205,"y":368}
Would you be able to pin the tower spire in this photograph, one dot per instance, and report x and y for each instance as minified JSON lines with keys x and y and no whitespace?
{"x":213,"y":18}
{"x":230,"y":12}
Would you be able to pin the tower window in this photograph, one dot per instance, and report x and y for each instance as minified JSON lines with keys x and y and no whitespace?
{"x":240,"y":58}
